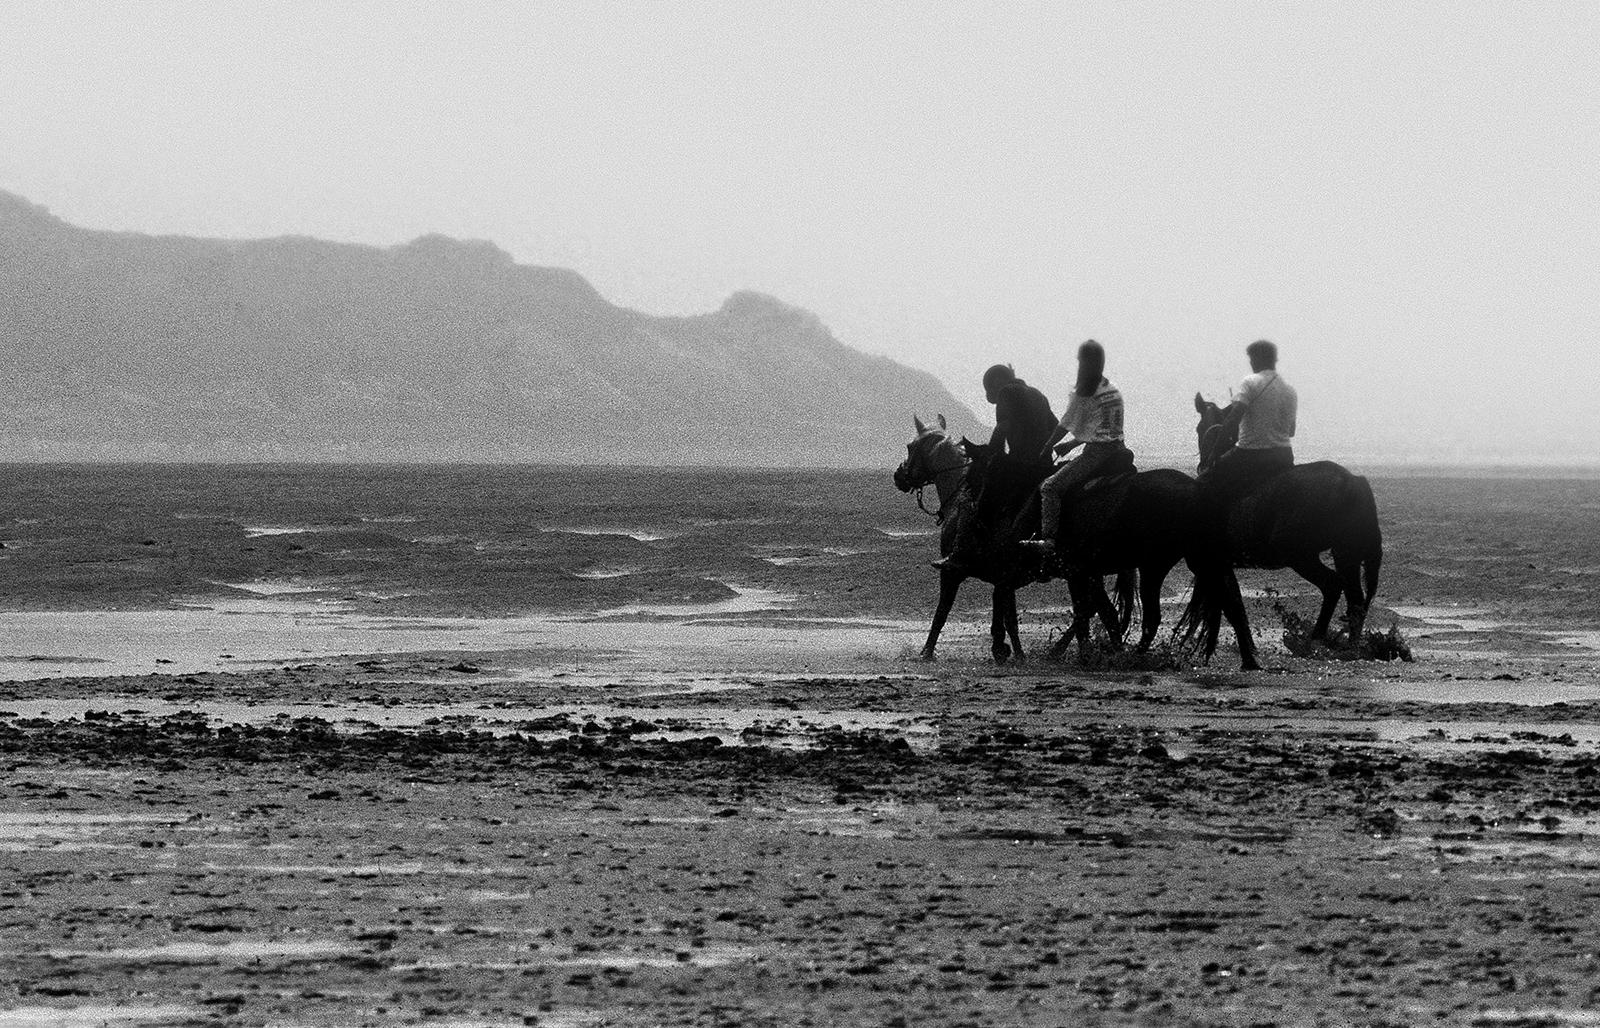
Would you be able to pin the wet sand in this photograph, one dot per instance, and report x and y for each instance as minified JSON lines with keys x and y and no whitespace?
{"x":351,"y":746}
{"x":735,"y":817}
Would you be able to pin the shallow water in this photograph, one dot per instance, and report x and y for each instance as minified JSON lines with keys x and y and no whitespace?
{"x":1521,"y":693}
{"x":714,"y":955}
{"x":1489,"y":735}
{"x":745,"y":601}
{"x":210,"y":952}
{"x":234,"y":634}
{"x":93,"y":1016}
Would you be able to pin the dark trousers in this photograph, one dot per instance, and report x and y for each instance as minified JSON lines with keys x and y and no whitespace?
{"x":1007,"y":488}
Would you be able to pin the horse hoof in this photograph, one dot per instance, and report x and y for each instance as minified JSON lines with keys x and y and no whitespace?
{"x":927,"y":655}
{"x":1249,"y":664}
{"x":1002,"y":654}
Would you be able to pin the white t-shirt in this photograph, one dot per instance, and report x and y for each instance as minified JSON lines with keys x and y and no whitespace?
{"x":1097,"y":418}
{"x":1269,"y":411}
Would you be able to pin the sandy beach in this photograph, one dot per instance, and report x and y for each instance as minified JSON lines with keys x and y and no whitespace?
{"x":720,"y":819}
{"x":285,"y":801}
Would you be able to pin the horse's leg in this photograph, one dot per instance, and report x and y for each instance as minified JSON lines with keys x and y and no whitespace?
{"x":1083,"y":606}
{"x":997,"y":625}
{"x":1011,"y":623}
{"x":1109,"y":615}
{"x":1348,"y":568}
{"x":1323,"y":577}
{"x":1150,"y":579}
{"x":1232,"y":607}
{"x":1126,"y":596}
{"x":1071,"y":631}
{"x":949,"y":583}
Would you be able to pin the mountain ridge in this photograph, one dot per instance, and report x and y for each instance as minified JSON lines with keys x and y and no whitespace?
{"x":130,"y":346}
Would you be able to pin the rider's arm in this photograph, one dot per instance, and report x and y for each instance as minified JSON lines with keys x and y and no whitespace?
{"x":1069,"y":423}
{"x":1056,"y":435}
{"x":1233,"y":413}
{"x":1005,"y":420}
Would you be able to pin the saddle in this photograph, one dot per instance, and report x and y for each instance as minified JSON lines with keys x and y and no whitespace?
{"x":1121,"y":469}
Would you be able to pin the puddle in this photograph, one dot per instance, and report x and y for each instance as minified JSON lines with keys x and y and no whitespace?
{"x":1587,"y":640}
{"x":643,"y":535}
{"x":840,"y":825}
{"x":1459,"y":618}
{"x":598,"y":574}
{"x":219,"y":635}
{"x":1521,"y":693}
{"x":403,"y":868}
{"x":34,"y":830}
{"x":209,"y":952}
{"x":1566,"y":736}
{"x":280,"y":586}
{"x":257,"y":531}
{"x":907,"y":533}
{"x":806,"y":556}
{"x":1526,"y":848}
{"x":746,"y":601}
{"x":710,"y":955}
{"x":92,"y":1016}
{"x":1536,"y":1017}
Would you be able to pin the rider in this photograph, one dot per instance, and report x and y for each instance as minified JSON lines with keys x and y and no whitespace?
{"x":1094,"y":418}
{"x":1022,"y":421}
{"x":1263,"y":412}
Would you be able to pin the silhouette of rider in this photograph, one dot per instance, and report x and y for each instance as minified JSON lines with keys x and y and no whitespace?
{"x":1263,"y":412}
{"x":1022,"y":422}
{"x":1094,"y":420}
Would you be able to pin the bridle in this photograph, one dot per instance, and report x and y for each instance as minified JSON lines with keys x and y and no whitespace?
{"x":930,"y":476}
{"x":1211,"y":442}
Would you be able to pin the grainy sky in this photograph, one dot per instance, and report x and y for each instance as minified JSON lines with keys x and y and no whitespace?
{"x":1402,"y":195}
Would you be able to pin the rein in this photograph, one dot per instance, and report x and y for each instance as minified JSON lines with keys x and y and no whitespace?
{"x":938,"y":515}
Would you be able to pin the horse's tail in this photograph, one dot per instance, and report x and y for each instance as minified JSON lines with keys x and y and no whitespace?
{"x":1192,"y":618}
{"x":1200,"y":624}
{"x":1369,"y":537}
{"x":1127,"y":590}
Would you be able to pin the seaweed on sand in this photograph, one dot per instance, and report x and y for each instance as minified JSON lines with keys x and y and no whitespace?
{"x":1372,"y":645}
{"x":1100,"y":654}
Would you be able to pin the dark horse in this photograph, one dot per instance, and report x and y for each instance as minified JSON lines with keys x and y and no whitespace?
{"x":953,"y":468}
{"x":1297,"y":516}
{"x":1150,"y":520}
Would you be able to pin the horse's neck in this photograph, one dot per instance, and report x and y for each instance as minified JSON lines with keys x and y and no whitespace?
{"x":948,"y":482}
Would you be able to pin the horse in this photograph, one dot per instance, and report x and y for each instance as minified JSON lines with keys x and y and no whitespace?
{"x":1087,"y":590}
{"x":954,"y":468}
{"x":1150,"y":520}
{"x":1296,"y":516}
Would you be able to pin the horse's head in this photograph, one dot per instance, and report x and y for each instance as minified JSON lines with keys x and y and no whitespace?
{"x":928,"y":456}
{"x":1212,"y":437}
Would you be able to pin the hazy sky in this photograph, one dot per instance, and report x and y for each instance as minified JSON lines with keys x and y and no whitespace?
{"x":1402,"y":195}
